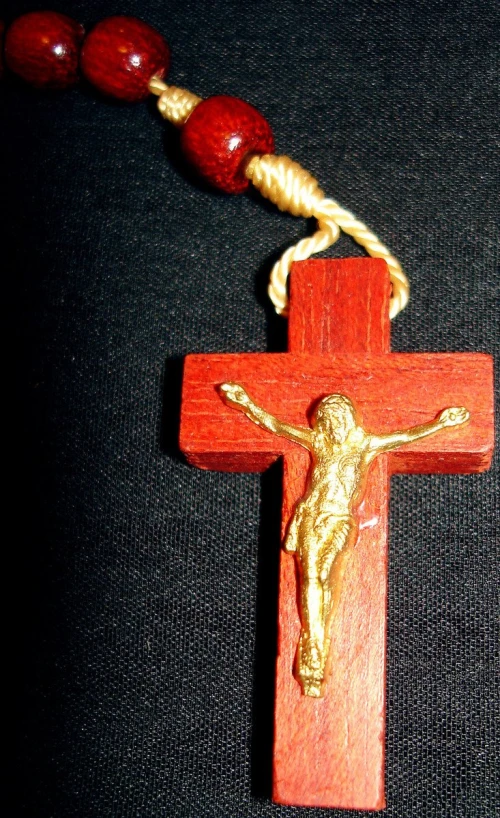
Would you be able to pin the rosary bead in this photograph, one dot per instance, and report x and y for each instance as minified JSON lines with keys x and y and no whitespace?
{"x":43,"y":48}
{"x":121,"y":54}
{"x":219,"y":135}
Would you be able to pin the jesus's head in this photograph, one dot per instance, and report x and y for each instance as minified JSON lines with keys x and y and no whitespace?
{"x":335,"y":416}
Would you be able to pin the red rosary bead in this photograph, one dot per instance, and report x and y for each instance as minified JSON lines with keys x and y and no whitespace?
{"x":43,"y":48}
{"x":219,"y":135}
{"x":121,"y":54}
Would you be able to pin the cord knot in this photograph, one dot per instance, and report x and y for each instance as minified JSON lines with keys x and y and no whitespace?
{"x":174,"y":104}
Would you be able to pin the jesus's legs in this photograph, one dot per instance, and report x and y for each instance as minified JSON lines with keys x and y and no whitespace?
{"x":312,"y":637}
{"x":318,"y":595}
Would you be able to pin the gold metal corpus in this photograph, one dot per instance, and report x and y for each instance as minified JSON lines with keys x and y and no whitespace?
{"x":324,"y":523}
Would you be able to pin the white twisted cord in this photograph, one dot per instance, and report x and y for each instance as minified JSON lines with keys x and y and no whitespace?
{"x":292,"y":188}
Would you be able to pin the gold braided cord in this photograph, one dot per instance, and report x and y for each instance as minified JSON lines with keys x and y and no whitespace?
{"x":174,"y":104}
{"x":293,"y":189}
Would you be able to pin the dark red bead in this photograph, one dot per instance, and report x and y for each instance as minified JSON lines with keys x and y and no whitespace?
{"x":43,"y":48}
{"x":121,"y":54}
{"x":219,"y":135}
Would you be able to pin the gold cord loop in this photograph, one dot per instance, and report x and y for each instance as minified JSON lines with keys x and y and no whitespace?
{"x":295,"y":190}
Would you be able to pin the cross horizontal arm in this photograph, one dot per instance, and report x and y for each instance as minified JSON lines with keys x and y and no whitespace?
{"x":392,"y":391}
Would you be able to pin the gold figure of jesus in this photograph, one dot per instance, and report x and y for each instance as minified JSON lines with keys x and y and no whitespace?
{"x":323,"y":523}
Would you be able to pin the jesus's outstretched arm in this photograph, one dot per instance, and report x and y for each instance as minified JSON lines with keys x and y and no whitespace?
{"x":454,"y":416}
{"x":234,"y":395}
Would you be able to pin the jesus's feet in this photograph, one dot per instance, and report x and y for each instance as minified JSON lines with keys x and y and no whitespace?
{"x":310,"y":668}
{"x":312,"y":688}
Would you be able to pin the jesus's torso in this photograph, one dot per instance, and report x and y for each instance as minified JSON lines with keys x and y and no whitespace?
{"x":336,"y":479}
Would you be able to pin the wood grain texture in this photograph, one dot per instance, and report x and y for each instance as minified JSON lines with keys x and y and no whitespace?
{"x":392,"y":391}
{"x":339,"y":305}
{"x":330,"y":752}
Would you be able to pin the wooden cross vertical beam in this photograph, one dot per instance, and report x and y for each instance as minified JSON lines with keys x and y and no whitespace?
{"x":330,"y":752}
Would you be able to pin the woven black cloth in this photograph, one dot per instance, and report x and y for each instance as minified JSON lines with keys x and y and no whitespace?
{"x":143,"y":590}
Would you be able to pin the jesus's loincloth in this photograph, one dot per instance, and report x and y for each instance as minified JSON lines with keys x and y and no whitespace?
{"x":318,"y":537}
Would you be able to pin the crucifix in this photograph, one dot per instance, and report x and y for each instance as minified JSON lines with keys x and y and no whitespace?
{"x":330,"y":670}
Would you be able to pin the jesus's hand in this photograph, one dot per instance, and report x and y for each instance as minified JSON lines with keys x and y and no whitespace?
{"x":454,"y":416}
{"x":234,"y":394}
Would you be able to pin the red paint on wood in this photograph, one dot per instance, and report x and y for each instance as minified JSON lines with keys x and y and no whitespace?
{"x":330,"y":752}
{"x":339,"y":307}
{"x":391,"y":392}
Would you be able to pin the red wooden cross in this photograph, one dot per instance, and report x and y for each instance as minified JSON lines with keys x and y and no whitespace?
{"x":329,"y":751}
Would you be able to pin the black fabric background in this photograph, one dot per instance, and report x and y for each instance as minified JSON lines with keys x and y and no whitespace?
{"x":143,"y":591}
